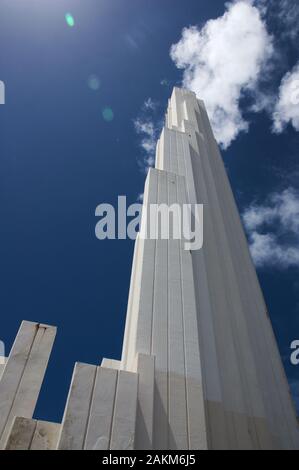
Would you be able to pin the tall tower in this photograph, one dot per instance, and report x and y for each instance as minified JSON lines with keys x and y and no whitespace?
{"x":200,"y":368}
{"x":219,"y":380}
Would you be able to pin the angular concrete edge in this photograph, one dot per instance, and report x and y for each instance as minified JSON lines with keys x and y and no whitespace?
{"x":111,"y":363}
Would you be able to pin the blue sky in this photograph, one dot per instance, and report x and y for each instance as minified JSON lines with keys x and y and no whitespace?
{"x":84,"y":105}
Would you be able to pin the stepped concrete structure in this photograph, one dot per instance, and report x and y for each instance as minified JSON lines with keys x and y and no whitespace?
{"x":200,"y":367}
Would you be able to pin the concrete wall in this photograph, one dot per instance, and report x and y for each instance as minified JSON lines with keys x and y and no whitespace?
{"x":23,"y":374}
{"x":101,"y":409}
{"x":2,"y":365}
{"x":247,"y":399}
{"x":163,"y":324}
{"x":219,"y":380}
{"x":30,"y":434}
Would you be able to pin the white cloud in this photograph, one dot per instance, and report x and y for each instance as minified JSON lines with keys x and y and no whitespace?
{"x":266,"y":251}
{"x":149,"y":134}
{"x":222,"y":61}
{"x":287,"y":107}
{"x":268,"y":224}
{"x":282,"y":105}
{"x":150,"y":104}
{"x":148,"y":128}
{"x":165,"y":82}
{"x":282,"y":206}
{"x":288,"y":13}
{"x":285,"y":13}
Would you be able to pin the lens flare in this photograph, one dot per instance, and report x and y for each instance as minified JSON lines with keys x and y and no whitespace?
{"x":94,"y":82}
{"x":69,"y":20}
{"x":108,"y":114}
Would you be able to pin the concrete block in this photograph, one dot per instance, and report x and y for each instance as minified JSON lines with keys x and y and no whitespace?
{"x":23,"y":374}
{"x":145,"y":404}
{"x":101,"y":410}
{"x":46,"y":436}
{"x":178,"y":431}
{"x":2,"y":365}
{"x":21,"y":434}
{"x":30,"y":434}
{"x":159,"y":341}
{"x":111,"y":364}
{"x":76,"y":416}
{"x":145,"y":309}
{"x":124,"y":419}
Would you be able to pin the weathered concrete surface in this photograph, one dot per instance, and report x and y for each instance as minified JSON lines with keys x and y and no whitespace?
{"x":23,"y":374}
{"x":45,"y":436}
{"x":21,"y":434}
{"x":30,"y":434}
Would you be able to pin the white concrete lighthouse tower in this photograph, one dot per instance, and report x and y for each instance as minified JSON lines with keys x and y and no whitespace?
{"x":219,"y":380}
